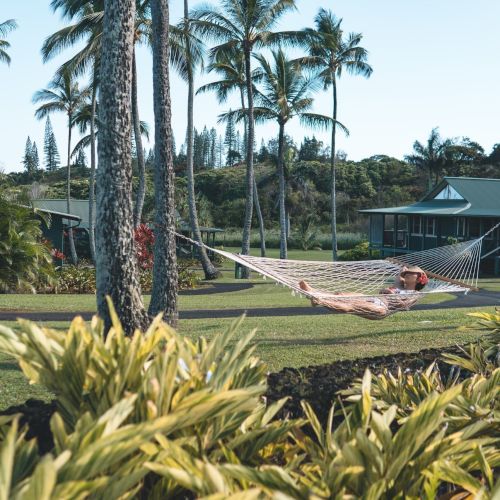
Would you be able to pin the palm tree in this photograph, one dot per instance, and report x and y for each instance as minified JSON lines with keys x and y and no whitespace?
{"x":165,"y":277}
{"x":243,"y":25}
{"x":116,"y":272}
{"x":89,"y":27}
{"x":5,"y":28}
{"x":231,"y":68}
{"x":63,"y":95}
{"x":331,"y":53}
{"x":186,"y":58}
{"x":286,"y":94}
{"x":431,"y":157}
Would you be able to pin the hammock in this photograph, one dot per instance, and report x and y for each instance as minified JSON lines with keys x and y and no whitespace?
{"x":354,"y":287}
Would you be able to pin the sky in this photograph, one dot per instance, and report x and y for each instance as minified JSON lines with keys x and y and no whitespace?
{"x":435,"y":64}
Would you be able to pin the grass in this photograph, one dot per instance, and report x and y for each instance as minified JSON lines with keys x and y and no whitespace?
{"x":296,"y":341}
{"x":281,"y":341}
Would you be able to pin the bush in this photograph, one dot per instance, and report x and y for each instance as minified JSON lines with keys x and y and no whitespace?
{"x":161,"y":416}
{"x":24,"y":259}
{"x":359,"y":252}
{"x":79,"y":279}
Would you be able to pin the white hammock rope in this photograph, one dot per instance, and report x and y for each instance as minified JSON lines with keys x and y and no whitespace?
{"x":355,"y":287}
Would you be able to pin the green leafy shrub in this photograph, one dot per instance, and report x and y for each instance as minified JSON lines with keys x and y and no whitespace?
{"x":158,"y":415}
{"x":359,"y":252}
{"x":76,"y":279}
{"x":24,"y":260}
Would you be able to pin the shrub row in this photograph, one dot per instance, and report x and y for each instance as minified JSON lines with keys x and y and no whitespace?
{"x":346,"y":241}
{"x":80,"y":279}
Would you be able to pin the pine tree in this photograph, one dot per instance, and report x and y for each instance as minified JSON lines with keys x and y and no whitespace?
{"x":28,"y":156}
{"x":50,"y":148}
{"x":35,"y":158}
{"x":213,"y":148}
{"x":81,"y":159}
{"x":230,"y":139}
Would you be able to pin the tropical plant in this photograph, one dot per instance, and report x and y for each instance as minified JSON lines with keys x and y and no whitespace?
{"x":5,"y":28}
{"x":63,"y":95}
{"x":187,"y":59}
{"x":117,"y":273}
{"x":231,"y":68}
{"x":24,"y":259}
{"x":431,"y":157}
{"x":330,"y":53}
{"x":243,"y":25}
{"x":286,"y":94}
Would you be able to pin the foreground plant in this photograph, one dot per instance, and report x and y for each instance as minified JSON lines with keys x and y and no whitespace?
{"x":157,"y":415}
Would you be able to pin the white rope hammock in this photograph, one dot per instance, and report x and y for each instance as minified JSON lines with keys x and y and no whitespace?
{"x":355,"y":287}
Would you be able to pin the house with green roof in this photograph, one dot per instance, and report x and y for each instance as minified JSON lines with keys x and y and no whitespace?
{"x":457,"y":209}
{"x":80,"y":213}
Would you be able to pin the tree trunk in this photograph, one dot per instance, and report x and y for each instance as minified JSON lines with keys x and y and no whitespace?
{"x":258,"y":211}
{"x":333,"y":174}
{"x":165,"y":277}
{"x":116,"y":266}
{"x":92,"y":169}
{"x":262,"y":229}
{"x":141,"y":165}
{"x":247,"y":222}
{"x":281,"y":178}
{"x":208,"y":268}
{"x":74,"y":257}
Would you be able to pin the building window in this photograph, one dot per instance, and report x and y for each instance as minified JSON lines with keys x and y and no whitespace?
{"x":448,"y":193}
{"x":461,"y":227}
{"x":487,"y":225}
{"x":416,"y":225}
{"x":430,"y":226}
{"x":474,"y":228}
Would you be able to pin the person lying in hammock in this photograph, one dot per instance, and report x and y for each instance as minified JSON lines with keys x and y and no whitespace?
{"x":411,"y":279}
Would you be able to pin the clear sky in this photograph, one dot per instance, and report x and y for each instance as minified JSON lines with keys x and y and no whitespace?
{"x":436,"y":63}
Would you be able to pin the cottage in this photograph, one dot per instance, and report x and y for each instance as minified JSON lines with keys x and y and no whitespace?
{"x":457,"y":209}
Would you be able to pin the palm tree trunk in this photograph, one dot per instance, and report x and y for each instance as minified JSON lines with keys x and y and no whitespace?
{"x":92,"y":168}
{"x":258,"y":211}
{"x":74,"y":257}
{"x":281,"y":178}
{"x":247,"y":222}
{"x":116,"y":268}
{"x":333,"y":173}
{"x":141,"y":164}
{"x":262,"y":229}
{"x":208,"y":268}
{"x":165,"y":276}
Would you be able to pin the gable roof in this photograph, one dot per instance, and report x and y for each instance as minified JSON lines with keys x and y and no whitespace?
{"x":481,"y":198}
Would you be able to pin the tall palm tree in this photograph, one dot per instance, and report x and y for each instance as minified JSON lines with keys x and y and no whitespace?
{"x":5,"y":28}
{"x":230,"y":66}
{"x":243,"y":25}
{"x":63,"y":95}
{"x":330,"y":52}
{"x":431,"y":157}
{"x":116,"y":272}
{"x":187,"y":57}
{"x":164,"y":293}
{"x":88,"y":26}
{"x":286,"y":94}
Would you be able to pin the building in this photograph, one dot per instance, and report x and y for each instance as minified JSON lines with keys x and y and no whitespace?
{"x":457,"y":209}
{"x":80,"y":213}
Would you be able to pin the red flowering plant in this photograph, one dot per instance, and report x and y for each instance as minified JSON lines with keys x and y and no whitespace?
{"x":144,"y":240}
{"x":57,"y":254}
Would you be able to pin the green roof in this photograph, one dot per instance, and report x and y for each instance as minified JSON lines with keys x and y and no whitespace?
{"x":481,"y":198}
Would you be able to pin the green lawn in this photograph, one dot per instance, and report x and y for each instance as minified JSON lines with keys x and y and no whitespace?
{"x":282,"y":341}
{"x":303,"y":340}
